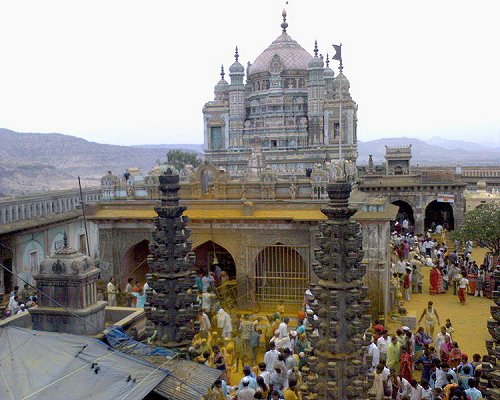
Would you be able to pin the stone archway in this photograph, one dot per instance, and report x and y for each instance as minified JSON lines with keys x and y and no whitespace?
{"x":439,"y":213}
{"x":207,"y":252}
{"x":135,"y":263}
{"x":281,"y":276}
{"x":405,"y":211}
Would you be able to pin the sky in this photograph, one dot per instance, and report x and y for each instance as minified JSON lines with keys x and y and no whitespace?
{"x":139,"y":72}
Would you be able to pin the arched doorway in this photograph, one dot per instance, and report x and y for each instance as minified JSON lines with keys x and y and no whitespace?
{"x":439,"y":213}
{"x":135,"y":263}
{"x":281,"y":276}
{"x":210,"y":252}
{"x":405,"y":212}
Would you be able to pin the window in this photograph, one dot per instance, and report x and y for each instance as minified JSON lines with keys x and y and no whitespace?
{"x":83,"y":244}
{"x":34,"y":262}
{"x":216,"y":137}
{"x":274,"y":143}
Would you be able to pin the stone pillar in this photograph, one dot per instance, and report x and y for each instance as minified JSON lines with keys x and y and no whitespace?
{"x":493,"y":345}
{"x":336,"y":370}
{"x":171,"y":304}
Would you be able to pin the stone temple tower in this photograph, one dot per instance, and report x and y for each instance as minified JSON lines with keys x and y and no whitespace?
{"x":301,"y":112}
{"x":171,"y":303}
{"x":70,"y":279}
{"x":336,"y":370}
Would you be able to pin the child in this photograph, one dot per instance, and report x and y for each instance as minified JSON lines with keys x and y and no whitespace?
{"x":449,"y":327}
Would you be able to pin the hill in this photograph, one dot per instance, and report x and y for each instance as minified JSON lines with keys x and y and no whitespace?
{"x":425,"y":153}
{"x":33,"y":161}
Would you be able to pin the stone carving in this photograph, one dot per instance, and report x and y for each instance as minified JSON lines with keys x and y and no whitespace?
{"x":70,"y":279}
{"x":335,"y":368}
{"x":58,"y":267}
{"x":493,"y":345}
{"x":171,"y":301}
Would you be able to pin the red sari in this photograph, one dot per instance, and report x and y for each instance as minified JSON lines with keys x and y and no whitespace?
{"x":434,"y":278}
{"x":455,"y":357}
{"x":406,"y":366}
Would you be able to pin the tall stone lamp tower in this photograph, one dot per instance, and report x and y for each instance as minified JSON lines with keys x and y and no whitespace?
{"x":493,"y":345}
{"x":336,"y":370}
{"x":171,"y":300}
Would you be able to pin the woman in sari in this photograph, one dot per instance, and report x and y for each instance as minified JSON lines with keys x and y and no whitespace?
{"x":406,"y":364}
{"x":445,"y":349}
{"x":455,"y":356}
{"x":440,"y":287}
{"x":434,"y":277}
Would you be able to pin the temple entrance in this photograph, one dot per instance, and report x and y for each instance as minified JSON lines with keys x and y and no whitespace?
{"x":281,"y":276}
{"x":405,"y":212}
{"x":7,"y":275}
{"x":439,"y":213}
{"x":135,"y":263}
{"x":209,"y":253}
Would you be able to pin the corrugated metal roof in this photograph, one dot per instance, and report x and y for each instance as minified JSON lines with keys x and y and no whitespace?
{"x":187,"y":380}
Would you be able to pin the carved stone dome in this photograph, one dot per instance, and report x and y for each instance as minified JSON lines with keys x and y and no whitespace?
{"x":284,"y":50}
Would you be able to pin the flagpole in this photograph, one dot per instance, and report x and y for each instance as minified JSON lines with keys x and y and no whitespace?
{"x":340,"y":109}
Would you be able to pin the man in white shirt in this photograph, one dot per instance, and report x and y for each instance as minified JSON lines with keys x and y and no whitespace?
{"x":439,"y":340}
{"x":283,"y":328}
{"x":374,"y":352}
{"x":224,"y":323}
{"x":382,"y":343}
{"x":463,"y":286}
{"x":111,"y":289}
{"x":266,"y":375}
{"x":271,"y":357}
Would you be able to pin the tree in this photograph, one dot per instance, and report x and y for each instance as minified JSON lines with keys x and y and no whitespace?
{"x":180,"y":158}
{"x":481,"y":225}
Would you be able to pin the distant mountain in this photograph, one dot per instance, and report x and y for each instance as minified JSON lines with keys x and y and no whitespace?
{"x":33,"y":161}
{"x":198,"y":148}
{"x":459,"y":144}
{"x":424,"y":153}
{"x":63,"y":158}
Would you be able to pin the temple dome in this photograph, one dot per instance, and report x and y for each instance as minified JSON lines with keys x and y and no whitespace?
{"x":341,"y":80}
{"x":236,"y":67}
{"x":290,"y":53}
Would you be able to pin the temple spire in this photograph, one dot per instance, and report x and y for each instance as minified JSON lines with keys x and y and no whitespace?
{"x":327,"y":61}
{"x":315,"y":48}
{"x":222,"y":73}
{"x":284,"y":24}
{"x":236,"y":55}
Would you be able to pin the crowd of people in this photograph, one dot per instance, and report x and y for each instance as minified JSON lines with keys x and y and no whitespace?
{"x":20,"y":301}
{"x":446,"y":373}
{"x":451,"y":269}
{"x":269,"y":352}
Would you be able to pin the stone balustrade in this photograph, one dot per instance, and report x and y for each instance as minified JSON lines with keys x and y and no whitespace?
{"x":20,"y":208}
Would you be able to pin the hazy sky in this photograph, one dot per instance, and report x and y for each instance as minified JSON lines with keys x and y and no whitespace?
{"x":133,"y":72}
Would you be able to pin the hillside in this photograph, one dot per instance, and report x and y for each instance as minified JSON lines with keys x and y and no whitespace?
{"x":34,"y":161}
{"x":425,"y":153}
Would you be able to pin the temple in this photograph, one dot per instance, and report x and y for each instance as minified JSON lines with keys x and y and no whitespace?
{"x":286,"y":112}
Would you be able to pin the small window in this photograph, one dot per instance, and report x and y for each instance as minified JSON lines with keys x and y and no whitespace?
{"x":274,"y":143}
{"x":216,"y":137}
{"x":34,"y":262}
{"x":83,"y":244}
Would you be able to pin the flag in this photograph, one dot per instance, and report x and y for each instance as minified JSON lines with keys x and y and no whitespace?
{"x":338,"y":53}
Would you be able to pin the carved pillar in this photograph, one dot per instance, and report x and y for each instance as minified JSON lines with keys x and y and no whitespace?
{"x":493,"y":345}
{"x":336,"y":370}
{"x":171,"y":304}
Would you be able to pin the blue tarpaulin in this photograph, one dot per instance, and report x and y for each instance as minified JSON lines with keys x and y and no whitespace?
{"x":119,"y":340}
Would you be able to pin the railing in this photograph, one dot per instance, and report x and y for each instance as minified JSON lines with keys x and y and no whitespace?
{"x":21,"y":208}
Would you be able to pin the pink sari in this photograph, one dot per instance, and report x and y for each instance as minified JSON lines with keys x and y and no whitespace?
{"x":446,"y":348}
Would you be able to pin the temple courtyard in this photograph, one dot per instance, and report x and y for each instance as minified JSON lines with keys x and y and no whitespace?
{"x":469,"y":321}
